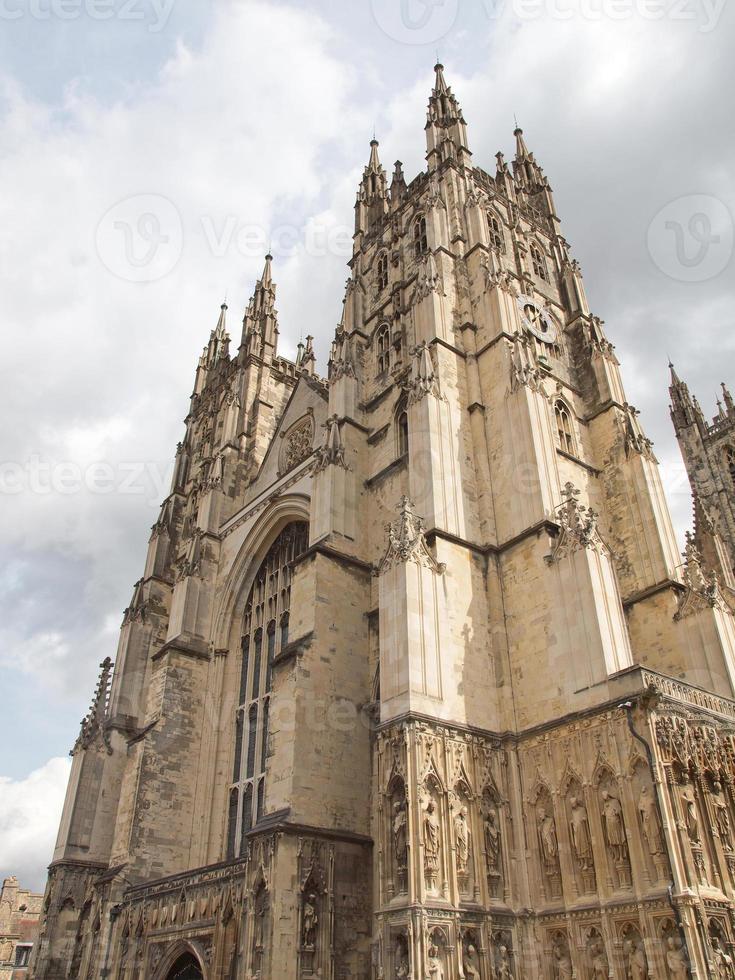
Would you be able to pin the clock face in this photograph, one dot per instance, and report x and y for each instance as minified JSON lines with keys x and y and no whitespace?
{"x":537,"y":320}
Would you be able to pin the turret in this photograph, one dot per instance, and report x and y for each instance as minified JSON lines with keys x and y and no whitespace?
{"x":684,"y":410}
{"x":529,"y":176}
{"x":446,"y":129}
{"x":260,"y":323}
{"x":372,"y":194}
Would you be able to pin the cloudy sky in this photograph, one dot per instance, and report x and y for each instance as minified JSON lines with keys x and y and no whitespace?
{"x":151,"y":150}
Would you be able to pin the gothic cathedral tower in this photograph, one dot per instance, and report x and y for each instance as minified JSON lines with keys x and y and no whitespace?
{"x":415,"y":683}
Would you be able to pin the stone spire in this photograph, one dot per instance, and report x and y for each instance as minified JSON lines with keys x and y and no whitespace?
{"x":446,"y":129}
{"x":260,"y":324}
{"x":728,"y":400}
{"x":372,"y":194}
{"x":682,"y":408}
{"x":397,"y":185}
{"x":529,"y":176}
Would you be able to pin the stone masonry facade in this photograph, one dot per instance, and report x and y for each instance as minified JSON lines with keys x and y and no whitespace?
{"x":415,"y":682}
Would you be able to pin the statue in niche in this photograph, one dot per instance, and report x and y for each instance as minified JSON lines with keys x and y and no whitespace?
{"x":503,"y":969}
{"x":612,"y":816}
{"x":432,"y":844}
{"x":435,"y":968}
{"x":598,"y":957}
{"x":676,"y":959}
{"x":649,"y":820}
{"x":548,"y":840}
{"x":636,"y":964}
{"x":471,"y":962}
{"x":463,"y":836}
{"x":691,"y":818}
{"x":492,"y":841}
{"x":581,"y":839}
{"x":723,"y":961}
{"x":722,"y":816}
{"x":400,"y":834}
{"x":402,"y":965}
{"x":561,"y":961}
{"x":311,"y":920}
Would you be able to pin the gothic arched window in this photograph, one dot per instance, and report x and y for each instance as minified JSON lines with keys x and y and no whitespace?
{"x":382,"y":347}
{"x":539,"y":263}
{"x":420,"y":241}
{"x":564,"y":427}
{"x":730,"y":462}
{"x":495,"y":231}
{"x":402,"y":428}
{"x":382,"y":271}
{"x":266,"y":608}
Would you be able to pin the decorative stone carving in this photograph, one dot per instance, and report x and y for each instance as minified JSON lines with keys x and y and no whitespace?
{"x":406,"y":541}
{"x":525,"y":370}
{"x":470,"y":958}
{"x":615,"y":835}
{"x":691,"y":816}
{"x":634,"y":438}
{"x":298,"y":444}
{"x":702,"y":591}
{"x":332,"y":452}
{"x":190,"y":562}
{"x":400,"y":840}
{"x":503,"y":963}
{"x":677,"y":962}
{"x":402,"y":960}
{"x":492,"y":841}
{"x":94,"y":722}
{"x":429,"y":280}
{"x":423,"y":377}
{"x":578,"y":526}
{"x":723,"y":961}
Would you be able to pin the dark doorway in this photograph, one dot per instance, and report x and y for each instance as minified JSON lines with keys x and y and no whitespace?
{"x":185,"y":968}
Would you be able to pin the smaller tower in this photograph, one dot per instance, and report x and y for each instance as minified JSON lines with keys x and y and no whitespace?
{"x":372,"y":194}
{"x":446,"y":129}
{"x":708,"y":450}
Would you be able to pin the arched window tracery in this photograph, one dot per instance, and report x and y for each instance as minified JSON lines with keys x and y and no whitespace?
{"x":495,"y":231}
{"x":267,"y":606}
{"x":730,"y":462}
{"x":382,"y":346}
{"x":539,"y":263}
{"x":420,"y":241}
{"x":564,"y":431}
{"x":402,"y":428}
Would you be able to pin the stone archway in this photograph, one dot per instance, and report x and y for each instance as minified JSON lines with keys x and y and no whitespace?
{"x":186,"y":967}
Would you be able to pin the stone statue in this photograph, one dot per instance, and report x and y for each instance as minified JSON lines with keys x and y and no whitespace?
{"x":598,"y":956}
{"x":503,"y":969}
{"x":581,"y":839}
{"x":722,"y":816}
{"x":612,"y":815}
{"x":649,"y":820}
{"x":435,"y":968}
{"x":402,"y":969}
{"x":492,"y":841}
{"x":722,"y":960}
{"x":471,"y":963}
{"x":636,"y":964}
{"x":432,"y":844}
{"x":691,"y":819}
{"x":548,"y":841}
{"x":561,"y":961}
{"x":676,"y":959}
{"x":311,"y":920}
{"x":463,"y":835}
{"x":400,"y":834}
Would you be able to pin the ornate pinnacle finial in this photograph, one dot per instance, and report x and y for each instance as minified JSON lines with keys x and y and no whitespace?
{"x":406,"y":541}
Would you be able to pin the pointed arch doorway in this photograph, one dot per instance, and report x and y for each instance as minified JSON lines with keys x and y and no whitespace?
{"x":186,"y":967}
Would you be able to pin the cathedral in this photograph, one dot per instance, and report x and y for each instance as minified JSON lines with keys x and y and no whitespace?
{"x":416,"y":683}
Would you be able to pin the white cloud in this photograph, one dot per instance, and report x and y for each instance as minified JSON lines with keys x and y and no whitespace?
{"x":30,"y":811}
